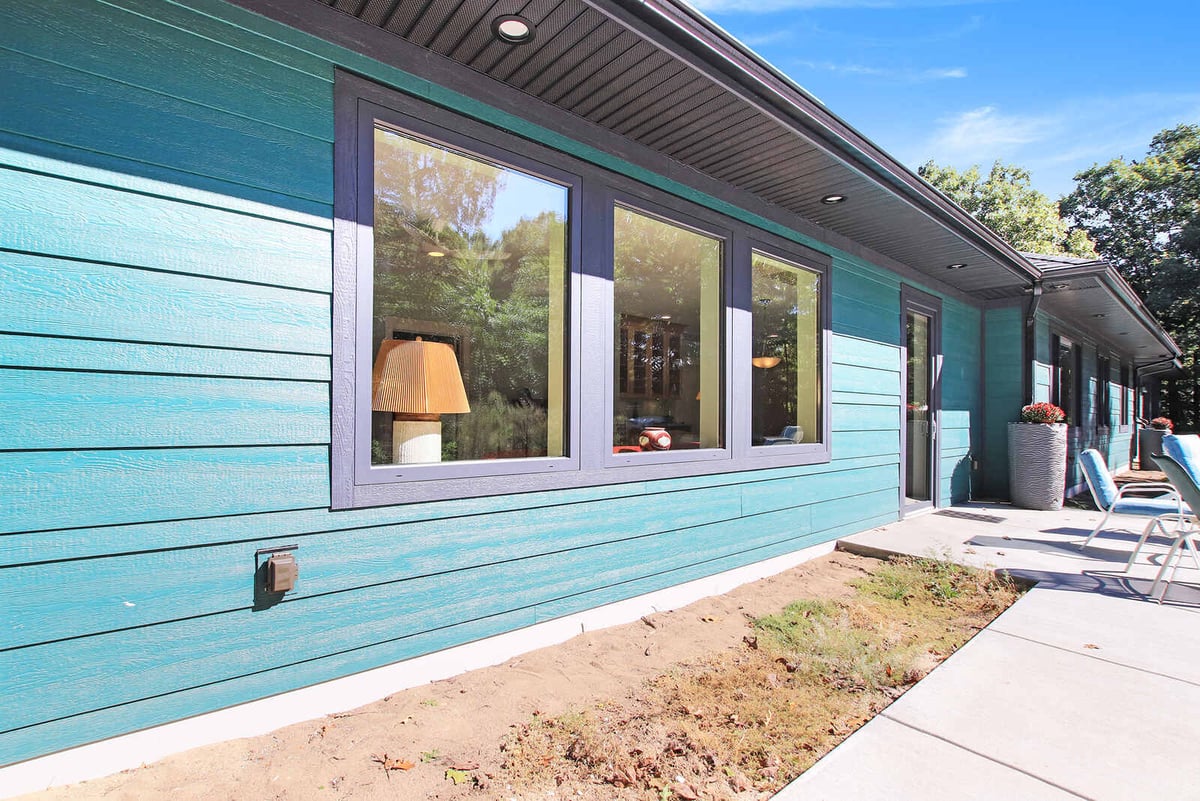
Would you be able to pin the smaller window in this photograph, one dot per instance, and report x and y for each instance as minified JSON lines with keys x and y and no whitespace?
{"x":1103,"y":392}
{"x":1126,"y":386}
{"x":1064,"y":391}
{"x":786,"y":352}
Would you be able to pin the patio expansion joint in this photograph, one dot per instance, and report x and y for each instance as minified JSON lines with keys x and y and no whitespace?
{"x":1095,"y":657}
{"x":989,"y":758}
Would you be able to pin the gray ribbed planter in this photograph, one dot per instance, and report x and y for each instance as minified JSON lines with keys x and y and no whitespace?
{"x":1037,"y":464}
{"x":1149,"y":443}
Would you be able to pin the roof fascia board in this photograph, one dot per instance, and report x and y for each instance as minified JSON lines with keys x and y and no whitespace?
{"x":772,"y":93}
{"x":343,"y":30}
{"x":1119,"y":288}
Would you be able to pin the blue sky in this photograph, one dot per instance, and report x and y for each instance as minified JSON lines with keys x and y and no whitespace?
{"x":1054,"y":87}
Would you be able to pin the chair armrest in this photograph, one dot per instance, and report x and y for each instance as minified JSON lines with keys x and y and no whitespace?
{"x":1148,"y":486}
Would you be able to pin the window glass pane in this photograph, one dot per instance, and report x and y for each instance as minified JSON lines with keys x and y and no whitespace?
{"x":469,"y":257}
{"x":785,"y":312}
{"x":1065,"y":384}
{"x":667,"y":353}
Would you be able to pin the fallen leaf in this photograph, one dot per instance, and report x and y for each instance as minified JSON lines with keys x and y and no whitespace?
{"x":708,"y":619}
{"x":751,"y":641}
{"x":649,"y":622}
{"x":392,"y":764}
{"x":687,"y":792}
{"x":458,"y":776}
{"x":1092,"y":646}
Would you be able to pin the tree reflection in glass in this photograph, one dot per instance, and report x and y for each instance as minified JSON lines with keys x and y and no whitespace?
{"x":785,"y":313}
{"x":474,"y":254}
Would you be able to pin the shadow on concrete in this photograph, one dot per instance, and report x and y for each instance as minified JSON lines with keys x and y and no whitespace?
{"x":1115,"y":585}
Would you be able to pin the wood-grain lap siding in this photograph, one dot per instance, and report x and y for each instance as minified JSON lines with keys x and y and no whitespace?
{"x":1004,"y":330}
{"x":165,"y":252}
{"x":962,"y":403}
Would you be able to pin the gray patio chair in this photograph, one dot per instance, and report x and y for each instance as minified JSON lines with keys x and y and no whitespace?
{"x":1185,"y":449}
{"x":1126,"y":500}
{"x":1186,"y":532}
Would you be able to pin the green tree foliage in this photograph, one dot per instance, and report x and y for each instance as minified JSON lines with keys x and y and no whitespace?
{"x":1145,"y":218}
{"x":1006,"y":202}
{"x":1144,"y":214}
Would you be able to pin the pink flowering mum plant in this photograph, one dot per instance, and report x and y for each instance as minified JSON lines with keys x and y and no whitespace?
{"x":1042,"y":413}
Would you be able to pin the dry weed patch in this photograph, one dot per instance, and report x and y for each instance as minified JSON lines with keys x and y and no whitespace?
{"x":741,"y":724}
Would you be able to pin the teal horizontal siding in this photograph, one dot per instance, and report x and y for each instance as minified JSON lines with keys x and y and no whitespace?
{"x":1004,"y":335}
{"x":192,"y":699}
{"x":152,"y":125}
{"x":66,"y":489}
{"x":56,"y":297}
{"x":68,"y":219}
{"x":336,"y":561}
{"x":866,"y":302}
{"x":217,"y":76}
{"x":51,"y":409}
{"x":867,"y":380}
{"x":256,"y":529}
{"x":99,"y":355}
{"x":54,"y":684}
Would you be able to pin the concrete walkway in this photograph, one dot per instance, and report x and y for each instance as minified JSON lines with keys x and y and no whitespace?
{"x":1083,"y":689}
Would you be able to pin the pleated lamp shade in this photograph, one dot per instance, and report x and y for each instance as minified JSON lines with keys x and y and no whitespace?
{"x":415,"y":377}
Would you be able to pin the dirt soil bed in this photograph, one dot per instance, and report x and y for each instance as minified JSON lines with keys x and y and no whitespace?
{"x":729,"y":698}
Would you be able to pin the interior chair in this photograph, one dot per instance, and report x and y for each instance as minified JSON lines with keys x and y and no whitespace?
{"x":1128,"y":500}
{"x":1186,"y":532}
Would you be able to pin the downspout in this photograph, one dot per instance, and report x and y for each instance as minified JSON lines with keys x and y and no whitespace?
{"x":1029,"y":345}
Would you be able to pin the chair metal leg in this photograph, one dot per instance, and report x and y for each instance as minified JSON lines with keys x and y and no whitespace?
{"x":1099,"y":527}
{"x":1182,"y":542}
{"x":1157,"y":521}
{"x":1162,"y":571}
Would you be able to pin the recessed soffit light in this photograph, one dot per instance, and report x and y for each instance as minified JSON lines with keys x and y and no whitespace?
{"x":833,"y":199}
{"x":512,"y":29}
{"x":1100,"y":316}
{"x":958,"y":265}
{"x":1057,"y":287}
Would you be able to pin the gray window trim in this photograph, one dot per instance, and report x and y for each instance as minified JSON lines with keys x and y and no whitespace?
{"x":590,"y":462}
{"x":671,"y":215}
{"x":804,"y":259}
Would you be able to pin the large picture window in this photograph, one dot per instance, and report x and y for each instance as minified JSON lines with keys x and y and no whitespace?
{"x":469,"y":287}
{"x":508,"y":318}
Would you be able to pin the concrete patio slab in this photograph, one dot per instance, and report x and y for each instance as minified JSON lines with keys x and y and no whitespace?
{"x":1157,"y":639}
{"x":1093,"y":727}
{"x":1085,"y":688}
{"x":888,"y":760}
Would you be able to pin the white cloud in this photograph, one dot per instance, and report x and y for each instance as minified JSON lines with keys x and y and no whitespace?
{"x":1054,"y":144}
{"x":902,"y":74}
{"x":984,"y":134}
{"x":772,"y":6}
